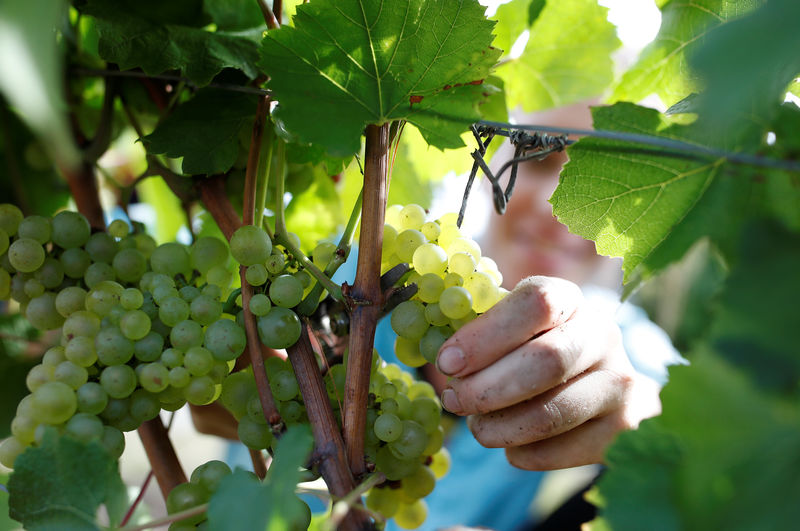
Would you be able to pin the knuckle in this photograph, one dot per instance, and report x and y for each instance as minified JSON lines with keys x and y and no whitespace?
{"x":551,"y":361}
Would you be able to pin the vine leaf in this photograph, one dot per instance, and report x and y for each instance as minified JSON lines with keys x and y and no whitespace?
{"x":271,"y":505}
{"x":155,"y":43}
{"x":626,"y":199}
{"x":662,"y":67}
{"x":61,"y":484}
{"x":558,"y":67}
{"x":415,"y":60}
{"x":205,"y":131}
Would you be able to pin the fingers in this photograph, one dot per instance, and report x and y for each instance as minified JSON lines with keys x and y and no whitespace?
{"x":536,"y":366}
{"x":537,"y":304}
{"x":593,"y":394}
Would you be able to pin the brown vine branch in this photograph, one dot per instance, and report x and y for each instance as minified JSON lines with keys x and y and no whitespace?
{"x":161,"y":454}
{"x":269,"y":17}
{"x":253,"y":156}
{"x":328,"y":443}
{"x":212,"y":193}
{"x":367,"y":288}
{"x":259,"y":463}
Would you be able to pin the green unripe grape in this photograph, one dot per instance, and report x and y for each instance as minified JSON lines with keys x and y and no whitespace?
{"x":253,"y":434}
{"x":113,"y":441}
{"x":389,"y":242}
{"x":256,"y":275}
{"x":54,"y":403}
{"x":5,"y":284}
{"x":144,"y":405}
{"x":116,"y":408}
{"x":98,"y":273}
{"x":448,"y":234}
{"x":10,"y":449}
{"x":53,"y":356}
{"x":84,"y":427}
{"x":407,"y":242}
{"x":323,"y":254}
{"x":24,"y":428}
{"x":210,"y":474}
{"x":131,"y":299}
{"x":429,"y":258}
{"x":260,"y":304}
{"x":284,"y":386}
{"x":433,"y":339}
{"x":189,"y":293}
{"x":236,"y":390}
{"x":179,"y":377}
{"x":383,"y":501}
{"x":392,"y":215}
{"x":407,"y":351}
{"x":440,"y":463}
{"x":119,"y":381}
{"x":129,"y":265}
{"x":426,"y":412}
{"x":388,"y":427}
{"x":38,"y":376}
{"x":41,"y":312}
{"x":464,"y":245}
{"x":419,"y":484}
{"x":412,"y":441}
{"x":50,"y":274}
{"x":118,"y":228}
{"x":280,"y":328}
{"x":70,"y":229}
{"x":250,"y":245}
{"x":205,"y":309}
{"x":153,"y":377}
{"x":186,"y":496}
{"x":463,"y":264}
{"x":198,"y":361}
{"x":172,"y":357}
{"x":81,"y":351}
{"x":430,"y":287}
{"x":35,"y":227}
{"x":455,"y":302}
{"x":201,"y":391}
{"x":81,"y":323}
{"x":456,"y":324}
{"x":92,"y":398}
{"x":207,"y":252}
{"x":101,"y":247}
{"x":392,"y":466}
{"x":485,"y":293}
{"x":10,"y":218}
{"x":112,"y":347}
{"x":187,"y":334}
{"x":411,"y":516}
{"x":171,"y":259}
{"x":225,"y":340}
{"x":434,"y":315}
{"x":71,"y":374}
{"x":75,"y":261}
{"x":292,"y":412}
{"x":286,"y":291}
{"x":435,"y":441}
{"x":149,"y":348}
{"x":412,"y":216}
{"x":33,"y":288}
{"x":70,"y":300}
{"x":173,"y":310}
{"x":26,"y":255}
{"x":276,"y":262}
{"x":134,"y":324}
{"x":408,"y":320}
{"x":219,"y":276}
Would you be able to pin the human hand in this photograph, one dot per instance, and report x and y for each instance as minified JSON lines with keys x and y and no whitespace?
{"x":545,"y":376}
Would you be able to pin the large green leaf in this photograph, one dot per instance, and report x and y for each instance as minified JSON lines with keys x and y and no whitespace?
{"x":747,"y":64}
{"x":205,"y":131}
{"x":132,"y":40}
{"x":61,"y":484}
{"x":623,"y":197}
{"x":233,"y":15}
{"x":567,"y":57}
{"x":663,"y":66}
{"x":372,"y":61}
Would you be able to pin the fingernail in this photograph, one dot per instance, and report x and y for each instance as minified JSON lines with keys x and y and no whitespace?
{"x":451,"y":361}
{"x":450,"y":401}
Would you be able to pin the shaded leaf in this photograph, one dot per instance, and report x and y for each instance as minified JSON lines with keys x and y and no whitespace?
{"x":662,"y":67}
{"x":61,"y":484}
{"x":512,"y":20}
{"x":315,"y":210}
{"x":131,"y":40}
{"x":6,"y":522}
{"x":413,"y":60}
{"x":559,"y":66}
{"x":233,"y":15}
{"x":205,"y":131}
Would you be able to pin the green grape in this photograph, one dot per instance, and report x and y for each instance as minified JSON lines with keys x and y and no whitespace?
{"x":149,"y":348}
{"x":280,"y":328}
{"x":10,"y":218}
{"x":420,"y":388}
{"x":430,"y":287}
{"x":253,"y":434}
{"x":286,"y":291}
{"x":412,"y":441}
{"x":455,"y":302}
{"x":284,"y":386}
{"x":260,"y":304}
{"x":104,"y":297}
{"x":201,"y":391}
{"x":5,"y":284}
{"x":219,"y":276}
{"x":304,"y":277}
{"x":92,"y":398}
{"x":113,"y":441}
{"x":207,"y":252}
{"x":41,"y":312}
{"x":54,"y":403}
{"x":144,"y":405}
{"x":408,"y":320}
{"x":411,"y":516}
{"x":134,"y":324}
{"x":205,"y":309}
{"x":172,"y":357}
{"x":440,"y":463}
{"x":198,"y":361}
{"x":408,"y":352}
{"x":388,"y":390}
{"x":453,"y":279}
{"x":129,"y":265}
{"x":383,"y":501}
{"x":225,"y":340}
{"x":26,"y":255}
{"x":118,"y":228}
{"x":171,"y":259}
{"x":456,"y":324}
{"x":403,"y":402}
{"x":392,"y":215}
{"x":112,"y":347}
{"x":116,"y":408}
{"x":173,"y":310}
{"x":38,"y":376}
{"x":70,"y":300}
{"x":250,"y":245}
{"x":24,"y":428}
{"x":419,"y":484}
{"x":71,"y":374}
{"x":81,"y":351}
{"x":323,"y":254}
{"x":392,"y":466}
{"x":292,"y":412}
{"x":50,"y":274}
{"x":276,"y":262}
{"x":186,"y":496}
{"x":389,"y":242}
{"x":10,"y":449}
{"x":187,"y":334}
{"x":220,"y":370}
{"x":426,"y":412}
{"x":433,"y":339}
{"x":36,"y":228}
{"x":75,"y":261}
{"x":411,"y":216}
{"x":98,"y":273}
{"x":101,"y":247}
{"x":163,"y":292}
{"x":53,"y":356}
{"x":429,"y":258}
{"x":84,"y":427}
{"x":254,"y":410}
{"x":407,"y":242}
{"x":189,"y":293}
{"x":33,"y":288}
{"x":70,"y":229}
{"x":145,"y":243}
{"x":81,"y":323}
{"x":131,"y":299}
{"x":464,"y":245}
{"x":431,"y":230}
{"x":448,"y":234}
{"x":210,"y":474}
{"x":462,"y":264}
{"x":236,"y":389}
{"x":435,"y":441}
{"x":118,"y":381}
{"x":434,"y":315}
{"x":388,"y":427}
{"x":153,"y":377}
{"x":179,"y":377}
{"x":256,"y":275}
{"x":171,"y":399}
{"x":485,"y":293}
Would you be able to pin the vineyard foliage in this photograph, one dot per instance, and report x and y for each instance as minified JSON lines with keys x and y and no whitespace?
{"x":172,"y":90}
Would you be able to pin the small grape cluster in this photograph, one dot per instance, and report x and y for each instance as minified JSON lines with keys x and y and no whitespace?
{"x":455,"y":283}
{"x":203,"y":482}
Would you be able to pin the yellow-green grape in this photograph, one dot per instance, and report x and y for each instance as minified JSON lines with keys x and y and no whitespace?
{"x":419,"y":484}
{"x":383,"y":501}
{"x":435,"y":441}
{"x":429,"y":258}
{"x":323,"y":254}
{"x":448,"y":235}
{"x":411,"y":516}
{"x":392,"y":216}
{"x":453,"y":279}
{"x":389,"y":244}
{"x":489,"y":266}
{"x":407,"y":351}
{"x":430,"y":287}
{"x":464,"y":245}
{"x":406,"y":243}
{"x":451,"y":218}
{"x":456,"y":324}
{"x":431,"y":230}
{"x":483,"y":290}
{"x":118,"y":228}
{"x":440,"y":463}
{"x":412,"y":217}
{"x":419,"y":389}
{"x":455,"y":302}
{"x":10,"y":449}
{"x":434,"y":315}
{"x":462,"y":264}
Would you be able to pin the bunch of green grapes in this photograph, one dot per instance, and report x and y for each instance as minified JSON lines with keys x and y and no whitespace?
{"x":455,"y":283}
{"x":203,"y":482}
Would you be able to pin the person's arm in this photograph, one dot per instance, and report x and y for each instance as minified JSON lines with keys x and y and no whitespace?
{"x":545,"y":376}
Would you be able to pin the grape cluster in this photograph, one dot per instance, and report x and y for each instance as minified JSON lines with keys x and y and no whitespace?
{"x":203,"y":482}
{"x":455,"y":283}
